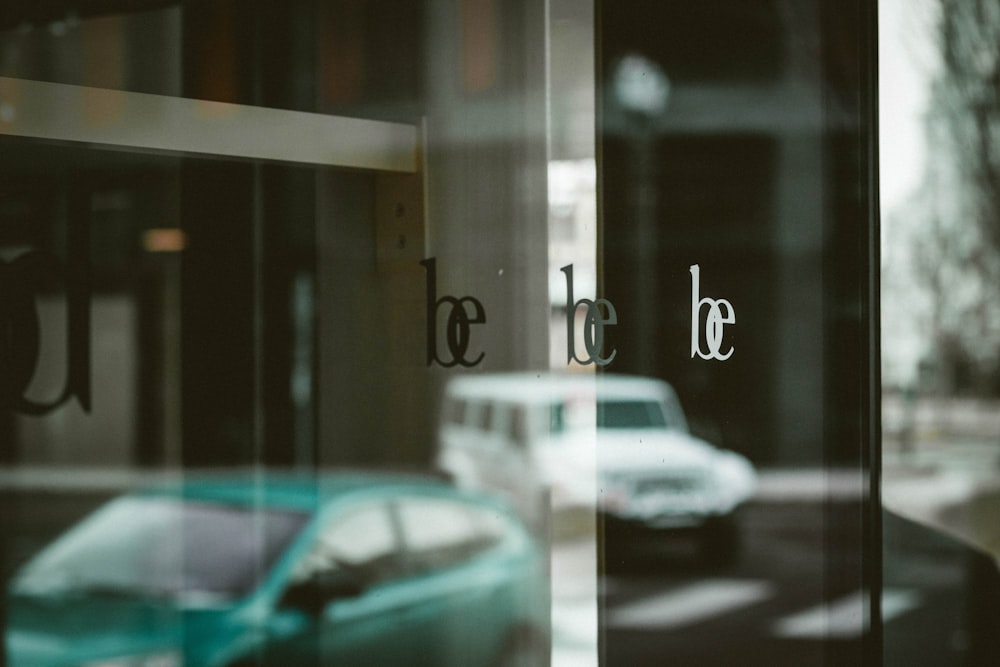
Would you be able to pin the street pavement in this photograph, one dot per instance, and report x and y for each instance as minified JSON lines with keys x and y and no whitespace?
{"x":783,"y":602}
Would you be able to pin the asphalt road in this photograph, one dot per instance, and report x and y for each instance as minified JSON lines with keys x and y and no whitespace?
{"x":794,"y":599}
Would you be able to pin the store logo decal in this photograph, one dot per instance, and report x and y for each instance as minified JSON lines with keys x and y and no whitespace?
{"x":457,"y":330}
{"x":593,"y":326}
{"x":720,"y":313}
{"x":21,"y":281}
{"x":466,"y":311}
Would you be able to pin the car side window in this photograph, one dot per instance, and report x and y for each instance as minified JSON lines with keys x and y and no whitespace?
{"x":439,"y":533}
{"x":362,"y":541}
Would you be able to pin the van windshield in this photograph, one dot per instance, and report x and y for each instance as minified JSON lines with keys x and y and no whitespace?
{"x":630,"y":414}
{"x":611,"y":414}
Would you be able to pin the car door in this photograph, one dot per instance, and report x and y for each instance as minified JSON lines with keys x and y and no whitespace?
{"x":371,"y":625}
{"x":472,"y":591}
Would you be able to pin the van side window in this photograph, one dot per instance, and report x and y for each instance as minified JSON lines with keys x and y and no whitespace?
{"x":487,"y":416}
{"x":518,"y":427}
{"x":456,"y":412}
{"x":557,"y":418}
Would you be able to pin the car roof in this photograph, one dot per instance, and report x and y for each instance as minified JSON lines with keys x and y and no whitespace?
{"x":543,"y":387}
{"x":297,"y":491}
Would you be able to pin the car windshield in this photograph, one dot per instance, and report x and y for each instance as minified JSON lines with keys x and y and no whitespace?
{"x":164,"y":546}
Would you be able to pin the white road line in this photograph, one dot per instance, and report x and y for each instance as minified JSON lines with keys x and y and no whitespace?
{"x":574,"y":633}
{"x":844,"y":618}
{"x":690,"y":604}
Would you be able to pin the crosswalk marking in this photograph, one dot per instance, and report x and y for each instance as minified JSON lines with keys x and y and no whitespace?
{"x":844,"y":618}
{"x":690,"y":604}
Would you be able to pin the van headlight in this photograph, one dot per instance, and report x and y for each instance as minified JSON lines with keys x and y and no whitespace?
{"x":157,"y":659}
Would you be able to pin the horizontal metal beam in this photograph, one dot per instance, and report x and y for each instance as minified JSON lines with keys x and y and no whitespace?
{"x":117,"y":118}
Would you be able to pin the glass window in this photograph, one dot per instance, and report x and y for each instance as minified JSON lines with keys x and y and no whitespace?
{"x":611,"y":268}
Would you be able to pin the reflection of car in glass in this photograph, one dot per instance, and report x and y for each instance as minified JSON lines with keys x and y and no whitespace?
{"x":345,"y":568}
{"x":616,"y":443}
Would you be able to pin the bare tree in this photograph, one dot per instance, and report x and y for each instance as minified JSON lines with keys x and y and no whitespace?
{"x":954,"y":219}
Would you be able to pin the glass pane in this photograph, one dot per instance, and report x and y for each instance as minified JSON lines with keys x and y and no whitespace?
{"x":939,"y":318}
{"x":576,"y":294}
{"x":737,"y":209}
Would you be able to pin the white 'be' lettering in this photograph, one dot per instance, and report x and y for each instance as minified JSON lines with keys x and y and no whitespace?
{"x":720,"y":313}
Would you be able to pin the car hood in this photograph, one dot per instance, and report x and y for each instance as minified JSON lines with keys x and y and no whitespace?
{"x":72,"y":629}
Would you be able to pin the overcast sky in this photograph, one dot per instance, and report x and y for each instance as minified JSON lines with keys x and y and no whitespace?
{"x":906,"y":62}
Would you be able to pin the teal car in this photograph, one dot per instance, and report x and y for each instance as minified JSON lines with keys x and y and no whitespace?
{"x":339,"y":569}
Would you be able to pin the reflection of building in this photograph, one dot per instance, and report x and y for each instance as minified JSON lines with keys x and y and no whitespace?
{"x":283,"y":327}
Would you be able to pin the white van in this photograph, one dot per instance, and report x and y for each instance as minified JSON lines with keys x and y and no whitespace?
{"x":616,"y":444}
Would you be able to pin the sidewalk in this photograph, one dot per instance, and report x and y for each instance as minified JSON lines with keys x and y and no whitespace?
{"x":952,"y":486}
